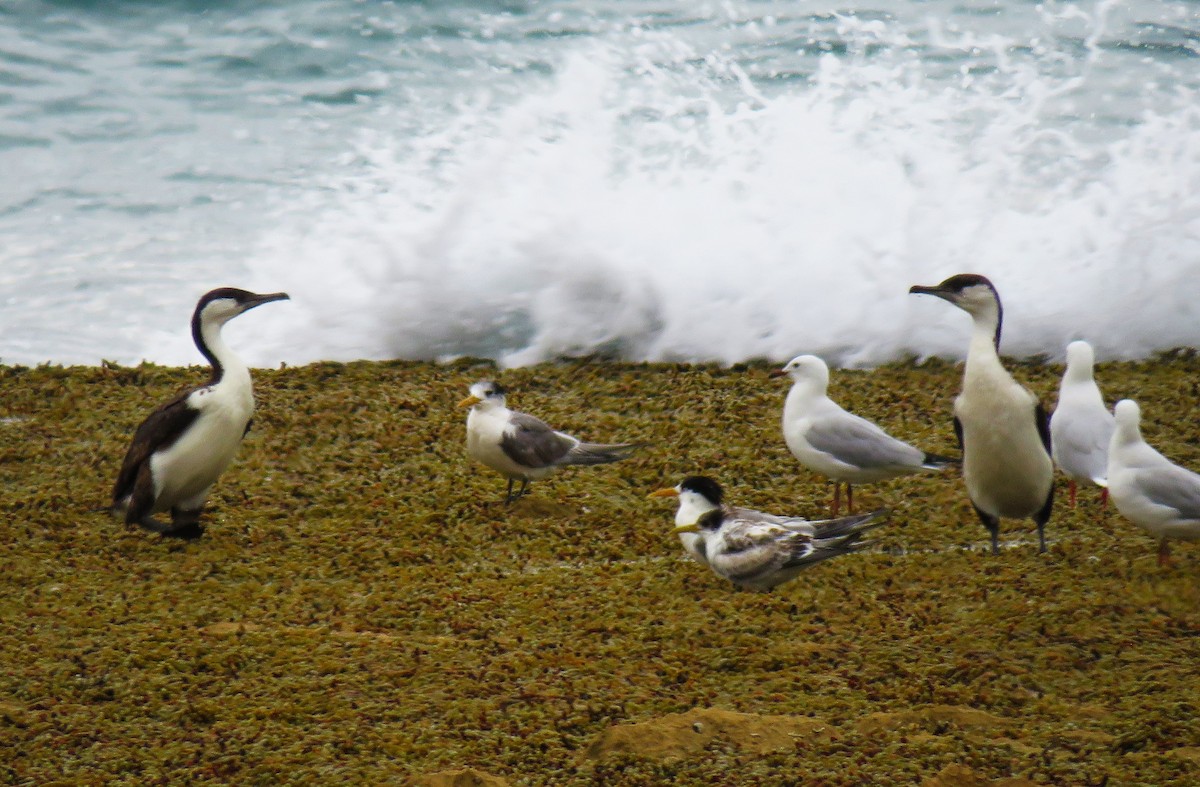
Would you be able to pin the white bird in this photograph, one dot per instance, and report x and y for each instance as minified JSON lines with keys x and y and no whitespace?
{"x":1001,"y":426}
{"x":752,"y":549}
{"x":1147,"y":488}
{"x":837,"y":444}
{"x":180,"y":450}
{"x":517,"y":445}
{"x":1081,"y":426}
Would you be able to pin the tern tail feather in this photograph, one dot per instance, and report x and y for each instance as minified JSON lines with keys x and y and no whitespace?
{"x":598,"y":453}
{"x":848,"y":525}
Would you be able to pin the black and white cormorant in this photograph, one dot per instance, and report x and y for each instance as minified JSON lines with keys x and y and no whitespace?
{"x":182,"y":447}
{"x":1001,"y":426}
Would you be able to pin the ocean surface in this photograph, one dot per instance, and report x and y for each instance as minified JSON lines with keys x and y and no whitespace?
{"x":670,"y":180}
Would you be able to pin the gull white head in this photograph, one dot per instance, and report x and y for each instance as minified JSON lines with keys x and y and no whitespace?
{"x":1129,"y":418}
{"x":808,"y":370}
{"x":972,"y":293}
{"x":1080,"y":360}
{"x":485,"y":394}
{"x":697,"y":496}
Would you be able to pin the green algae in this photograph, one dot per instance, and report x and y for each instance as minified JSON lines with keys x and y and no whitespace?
{"x":364,"y":609}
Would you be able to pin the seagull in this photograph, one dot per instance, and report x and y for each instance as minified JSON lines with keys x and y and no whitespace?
{"x":1001,"y":426}
{"x":837,"y":444}
{"x":1081,"y":426}
{"x":752,"y":549}
{"x":182,"y":447}
{"x":517,"y":445}
{"x":1147,"y":488}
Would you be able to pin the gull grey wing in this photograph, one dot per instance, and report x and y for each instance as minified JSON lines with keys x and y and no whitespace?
{"x":1172,"y":486}
{"x":862,"y":444}
{"x":160,"y":430}
{"x":530,"y":442}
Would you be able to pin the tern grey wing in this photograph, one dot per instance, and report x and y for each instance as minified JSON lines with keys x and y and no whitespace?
{"x":860,"y":443}
{"x":530,"y":442}
{"x":1172,"y":486}
{"x":749,"y":516}
{"x":750,"y":553}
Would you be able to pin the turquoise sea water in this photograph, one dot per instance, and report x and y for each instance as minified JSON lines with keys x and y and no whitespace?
{"x":653,"y":180}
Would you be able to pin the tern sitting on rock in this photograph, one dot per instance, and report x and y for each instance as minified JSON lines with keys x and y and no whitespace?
{"x":752,"y":549}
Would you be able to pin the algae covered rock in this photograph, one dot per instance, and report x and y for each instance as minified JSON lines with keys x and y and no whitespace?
{"x":932,"y":717}
{"x":459,"y":777}
{"x":962,"y":776}
{"x":680,"y":735}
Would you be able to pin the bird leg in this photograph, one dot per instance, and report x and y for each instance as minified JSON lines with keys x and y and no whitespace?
{"x":185,"y":524}
{"x":153,"y":525}
{"x":849,"y":498}
{"x":1164,"y":552}
{"x":837,"y":497}
{"x":1103,"y":498}
{"x":992,"y":523}
{"x":510,"y":497}
{"x":1071,"y":491}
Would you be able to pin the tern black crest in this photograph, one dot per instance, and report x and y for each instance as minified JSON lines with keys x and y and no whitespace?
{"x":703,"y":485}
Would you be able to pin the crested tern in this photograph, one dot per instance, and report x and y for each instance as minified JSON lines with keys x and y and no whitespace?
{"x":520,"y":446}
{"x":752,"y":549}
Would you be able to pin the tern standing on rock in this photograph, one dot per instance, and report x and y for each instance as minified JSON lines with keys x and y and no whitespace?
{"x":182,"y":447}
{"x":1001,"y":426}
{"x":1147,"y":488}
{"x":839,"y":445}
{"x":517,"y":445}
{"x":1081,"y":426}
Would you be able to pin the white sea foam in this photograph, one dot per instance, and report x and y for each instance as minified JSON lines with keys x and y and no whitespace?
{"x":728,"y":182}
{"x":665,"y":213}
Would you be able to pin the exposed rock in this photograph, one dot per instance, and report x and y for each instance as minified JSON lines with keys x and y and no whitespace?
{"x":679,"y":735}
{"x":932,"y":716}
{"x":1186,"y":753}
{"x":459,"y":777}
{"x":962,"y":776}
